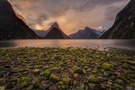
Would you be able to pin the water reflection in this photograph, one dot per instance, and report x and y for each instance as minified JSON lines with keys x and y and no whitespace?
{"x":101,"y":44}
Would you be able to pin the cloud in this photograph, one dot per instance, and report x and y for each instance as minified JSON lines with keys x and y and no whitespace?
{"x":70,"y":14}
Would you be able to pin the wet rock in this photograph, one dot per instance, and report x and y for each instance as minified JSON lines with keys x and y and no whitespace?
{"x":25,"y":81}
{"x":53,"y":87}
{"x":66,"y":80}
{"x":30,"y":87}
{"x":45,"y":85}
{"x":46,"y":73}
{"x":14,"y":70}
{"x":78,"y":70}
{"x":2,"y":88}
{"x":76,"y":75}
{"x":36,"y":71}
{"x":93,"y":79}
{"x":106,"y":66}
{"x":54,"y":77}
{"x":4,"y":73}
{"x":119,"y":81}
{"x":92,"y":86}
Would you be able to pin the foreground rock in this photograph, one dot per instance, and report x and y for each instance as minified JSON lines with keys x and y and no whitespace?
{"x":66,"y":69}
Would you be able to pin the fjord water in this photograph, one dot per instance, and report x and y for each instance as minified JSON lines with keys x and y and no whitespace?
{"x":100,"y":44}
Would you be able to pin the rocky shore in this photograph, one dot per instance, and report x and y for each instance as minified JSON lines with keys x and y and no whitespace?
{"x":66,"y":69}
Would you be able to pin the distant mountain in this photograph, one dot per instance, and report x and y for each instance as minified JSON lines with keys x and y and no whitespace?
{"x":12,"y":27}
{"x":124,"y":26}
{"x":41,"y":33}
{"x":87,"y":33}
{"x":56,"y":33}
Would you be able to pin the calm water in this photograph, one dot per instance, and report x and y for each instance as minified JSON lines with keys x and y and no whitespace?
{"x":101,"y":44}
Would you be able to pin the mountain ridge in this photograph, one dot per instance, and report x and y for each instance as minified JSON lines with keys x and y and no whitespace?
{"x":124,"y":25}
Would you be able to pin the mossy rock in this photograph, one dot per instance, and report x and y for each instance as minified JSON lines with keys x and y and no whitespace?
{"x":93,"y":79}
{"x":66,"y":80}
{"x":119,"y":87}
{"x":25,"y":81}
{"x":106,"y":66}
{"x":54,"y":77}
{"x":46,"y":73}
{"x":92,"y":86}
{"x":78,"y":70}
{"x":2,"y":88}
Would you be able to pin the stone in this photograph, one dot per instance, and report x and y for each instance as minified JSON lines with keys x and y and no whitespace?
{"x":36,"y":71}
{"x":54,"y":77}
{"x":93,"y":79}
{"x":45,"y":85}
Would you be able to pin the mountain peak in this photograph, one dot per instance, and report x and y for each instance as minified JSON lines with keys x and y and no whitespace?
{"x":55,"y":25}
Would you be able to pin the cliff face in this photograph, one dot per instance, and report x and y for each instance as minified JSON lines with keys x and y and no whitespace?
{"x":11,"y":27}
{"x":124,"y":25}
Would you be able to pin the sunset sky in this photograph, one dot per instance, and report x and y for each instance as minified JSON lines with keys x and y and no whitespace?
{"x":71,"y":15}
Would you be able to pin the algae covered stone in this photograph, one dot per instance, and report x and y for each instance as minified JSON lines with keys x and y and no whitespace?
{"x":46,"y":73}
{"x":54,"y":77}
{"x":106,"y":66}
{"x":93,"y":79}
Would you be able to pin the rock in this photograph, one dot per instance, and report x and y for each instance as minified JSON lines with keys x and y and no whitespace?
{"x":2,"y":88}
{"x":93,"y":79}
{"x":76,"y":75}
{"x":92,"y":86}
{"x":14,"y":70}
{"x":30,"y":87}
{"x":79,"y":88}
{"x":36,"y":71}
{"x":106,"y":66}
{"x":35,"y":81}
{"x":120,"y":82}
{"x":46,"y":73}
{"x":118,"y":86}
{"x":78,"y":70}
{"x":25,"y":81}
{"x":53,"y":87}
{"x":54,"y":77}
{"x":66,"y":80}
{"x":45,"y":85}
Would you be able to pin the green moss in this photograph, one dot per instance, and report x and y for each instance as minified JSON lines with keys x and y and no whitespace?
{"x":93,"y":79}
{"x":92,"y":86}
{"x":2,"y":88}
{"x":106,"y":66}
{"x":117,"y":86}
{"x":46,"y":73}
{"x":66,"y":80}
{"x":24,"y":82}
{"x":26,"y":79}
{"x":78,"y":70}
{"x":54,"y":77}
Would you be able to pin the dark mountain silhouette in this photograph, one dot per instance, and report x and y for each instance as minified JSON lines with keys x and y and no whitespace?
{"x":12,"y":27}
{"x":56,"y":33}
{"x":87,"y":33}
{"x":41,"y":33}
{"x":124,"y":26}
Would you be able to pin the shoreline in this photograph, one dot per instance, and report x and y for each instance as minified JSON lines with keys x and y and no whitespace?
{"x":66,"y":69}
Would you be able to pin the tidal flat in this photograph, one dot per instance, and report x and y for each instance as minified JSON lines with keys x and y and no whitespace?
{"x":66,"y":69}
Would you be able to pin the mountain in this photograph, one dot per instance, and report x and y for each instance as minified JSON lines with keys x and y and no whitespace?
{"x":87,"y":33}
{"x":56,"y":33}
{"x":124,"y":25}
{"x":12,"y":27}
{"x":41,"y":33}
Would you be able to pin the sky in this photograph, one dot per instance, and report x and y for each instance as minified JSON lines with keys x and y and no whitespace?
{"x":71,"y":15}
